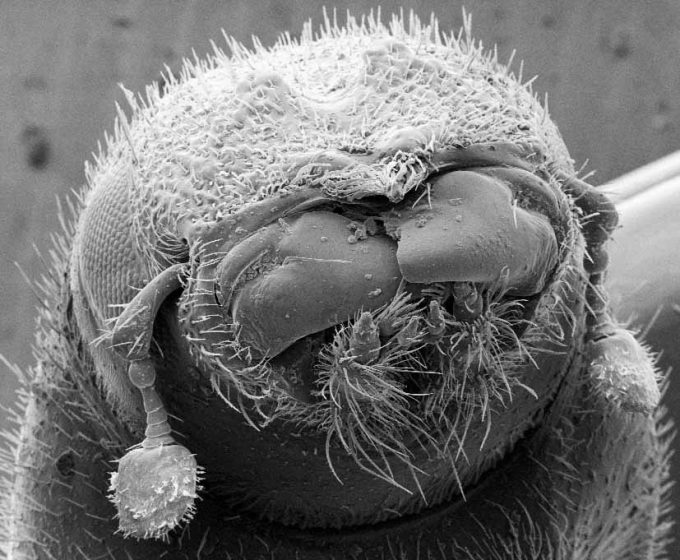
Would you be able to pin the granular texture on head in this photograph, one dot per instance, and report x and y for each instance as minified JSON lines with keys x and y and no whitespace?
{"x":348,"y":288}
{"x":241,"y":128}
{"x":355,"y":112}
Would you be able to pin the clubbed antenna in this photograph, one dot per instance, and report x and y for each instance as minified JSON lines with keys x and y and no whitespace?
{"x":623,"y":372}
{"x":155,"y":486}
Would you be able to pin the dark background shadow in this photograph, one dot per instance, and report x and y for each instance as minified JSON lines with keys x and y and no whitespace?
{"x":610,"y":69}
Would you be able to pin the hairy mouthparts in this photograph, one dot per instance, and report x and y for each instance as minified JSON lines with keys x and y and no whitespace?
{"x":340,"y":298}
{"x":464,"y":234}
{"x":390,"y":305}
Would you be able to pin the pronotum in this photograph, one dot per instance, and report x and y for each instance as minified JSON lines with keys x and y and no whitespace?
{"x":338,"y":298}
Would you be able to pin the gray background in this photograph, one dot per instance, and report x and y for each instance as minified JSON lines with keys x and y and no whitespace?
{"x":609,"y":67}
